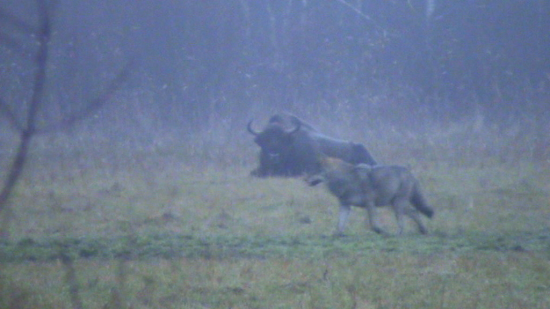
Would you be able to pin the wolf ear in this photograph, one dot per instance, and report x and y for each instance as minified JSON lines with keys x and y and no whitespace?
{"x":362,"y":170}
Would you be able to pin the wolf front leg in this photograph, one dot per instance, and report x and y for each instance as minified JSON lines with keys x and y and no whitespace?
{"x":400,"y":207}
{"x":371,"y":211}
{"x":343,"y":216}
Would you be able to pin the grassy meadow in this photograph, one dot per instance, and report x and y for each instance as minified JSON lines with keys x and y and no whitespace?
{"x":187,"y":227}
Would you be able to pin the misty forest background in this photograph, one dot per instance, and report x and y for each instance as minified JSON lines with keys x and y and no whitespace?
{"x":378,"y":72}
{"x":135,"y":190}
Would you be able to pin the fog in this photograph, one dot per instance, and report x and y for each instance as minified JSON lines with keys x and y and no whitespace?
{"x":203,"y":68}
{"x":126,"y":166}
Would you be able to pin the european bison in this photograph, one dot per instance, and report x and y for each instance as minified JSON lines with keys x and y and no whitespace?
{"x":291,"y":147}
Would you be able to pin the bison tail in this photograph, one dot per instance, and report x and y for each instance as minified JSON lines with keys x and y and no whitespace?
{"x":419,"y":202}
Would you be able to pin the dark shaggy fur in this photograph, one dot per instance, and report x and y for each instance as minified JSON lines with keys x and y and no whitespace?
{"x":291,"y":147}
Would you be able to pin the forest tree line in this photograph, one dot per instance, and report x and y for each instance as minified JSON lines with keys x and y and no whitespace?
{"x":226,"y":55}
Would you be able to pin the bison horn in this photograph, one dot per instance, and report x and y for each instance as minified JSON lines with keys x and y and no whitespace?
{"x":296,"y":128}
{"x":249,"y":127}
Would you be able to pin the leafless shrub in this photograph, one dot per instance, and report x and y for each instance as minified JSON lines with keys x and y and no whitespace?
{"x":27,"y":127}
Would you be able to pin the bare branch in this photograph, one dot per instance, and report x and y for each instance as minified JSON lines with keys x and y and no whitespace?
{"x":12,"y":44}
{"x":15,"y":171}
{"x":16,"y":22}
{"x":7,"y":112}
{"x":93,"y":106}
{"x":28,"y":128}
{"x":27,"y":131}
{"x":363,"y":15}
{"x":43,"y":36}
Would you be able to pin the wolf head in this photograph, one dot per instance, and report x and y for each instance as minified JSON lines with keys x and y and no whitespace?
{"x":334,"y":168}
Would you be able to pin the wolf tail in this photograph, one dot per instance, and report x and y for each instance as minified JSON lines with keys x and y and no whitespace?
{"x":419,"y":202}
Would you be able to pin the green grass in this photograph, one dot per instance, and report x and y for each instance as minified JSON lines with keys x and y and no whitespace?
{"x":156,"y":232}
{"x":374,"y":280}
{"x":145,"y":246}
{"x":102,"y":200}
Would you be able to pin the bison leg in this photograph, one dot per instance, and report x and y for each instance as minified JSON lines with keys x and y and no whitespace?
{"x":257,"y":173}
{"x":343,"y":216}
{"x":371,"y":211}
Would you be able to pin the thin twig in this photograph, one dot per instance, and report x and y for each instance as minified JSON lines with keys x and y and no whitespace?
{"x":92,"y":106}
{"x":26,"y":133}
{"x":8,"y":113}
{"x":363,"y":15}
{"x":41,"y":60}
{"x":16,"y":22}
{"x":14,"y":45}
{"x":27,"y":128}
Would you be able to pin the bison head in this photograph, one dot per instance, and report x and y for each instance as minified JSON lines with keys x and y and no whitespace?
{"x":274,"y":140}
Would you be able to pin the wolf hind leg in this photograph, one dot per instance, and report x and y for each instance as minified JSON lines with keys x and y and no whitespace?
{"x":419,"y":202}
{"x":413,"y":214}
{"x":400,"y":207}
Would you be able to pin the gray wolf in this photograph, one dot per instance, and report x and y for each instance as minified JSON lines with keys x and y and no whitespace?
{"x":369,"y":187}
